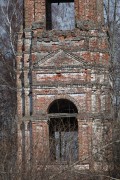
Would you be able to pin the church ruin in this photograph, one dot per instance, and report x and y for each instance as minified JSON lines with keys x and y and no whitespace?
{"x":63,"y":90}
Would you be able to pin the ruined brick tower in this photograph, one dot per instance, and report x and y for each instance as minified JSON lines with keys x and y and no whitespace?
{"x":63,"y":95}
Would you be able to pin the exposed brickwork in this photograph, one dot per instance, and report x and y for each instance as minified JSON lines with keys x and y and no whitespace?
{"x":71,"y":65}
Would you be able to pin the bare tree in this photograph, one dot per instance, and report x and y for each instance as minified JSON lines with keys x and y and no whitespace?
{"x":10,"y":21}
{"x":112,"y":17}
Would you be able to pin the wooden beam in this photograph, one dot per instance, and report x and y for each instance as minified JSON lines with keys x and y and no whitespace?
{"x":58,"y":115}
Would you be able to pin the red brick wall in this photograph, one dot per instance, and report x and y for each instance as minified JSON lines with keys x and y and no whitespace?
{"x":71,"y":65}
{"x":35,"y":11}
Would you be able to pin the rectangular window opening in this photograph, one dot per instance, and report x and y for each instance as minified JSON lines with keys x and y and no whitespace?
{"x":60,"y":14}
{"x":64,"y":146}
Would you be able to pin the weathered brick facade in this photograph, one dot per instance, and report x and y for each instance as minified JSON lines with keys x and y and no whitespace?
{"x":58,"y":64}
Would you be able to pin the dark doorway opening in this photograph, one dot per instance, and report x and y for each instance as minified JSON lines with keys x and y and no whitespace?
{"x":63,"y":131}
{"x":60,"y":14}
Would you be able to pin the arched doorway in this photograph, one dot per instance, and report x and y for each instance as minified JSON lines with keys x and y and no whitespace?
{"x":63,"y":130}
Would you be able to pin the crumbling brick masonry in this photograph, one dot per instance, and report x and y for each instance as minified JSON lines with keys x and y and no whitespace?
{"x":66,"y":66}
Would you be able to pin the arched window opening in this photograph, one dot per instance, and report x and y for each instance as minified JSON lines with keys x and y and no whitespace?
{"x":60,"y":14}
{"x":63,"y":131}
{"x":62,"y":106}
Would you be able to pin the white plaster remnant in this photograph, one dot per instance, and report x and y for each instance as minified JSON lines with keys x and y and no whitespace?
{"x":82,"y":167}
{"x":93,"y":102}
{"x":27,"y":41}
{"x":81,"y":95}
{"x":102,"y":78}
{"x":42,"y":96}
{"x":102,"y":98}
{"x":92,"y":75}
{"x":66,"y":76}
